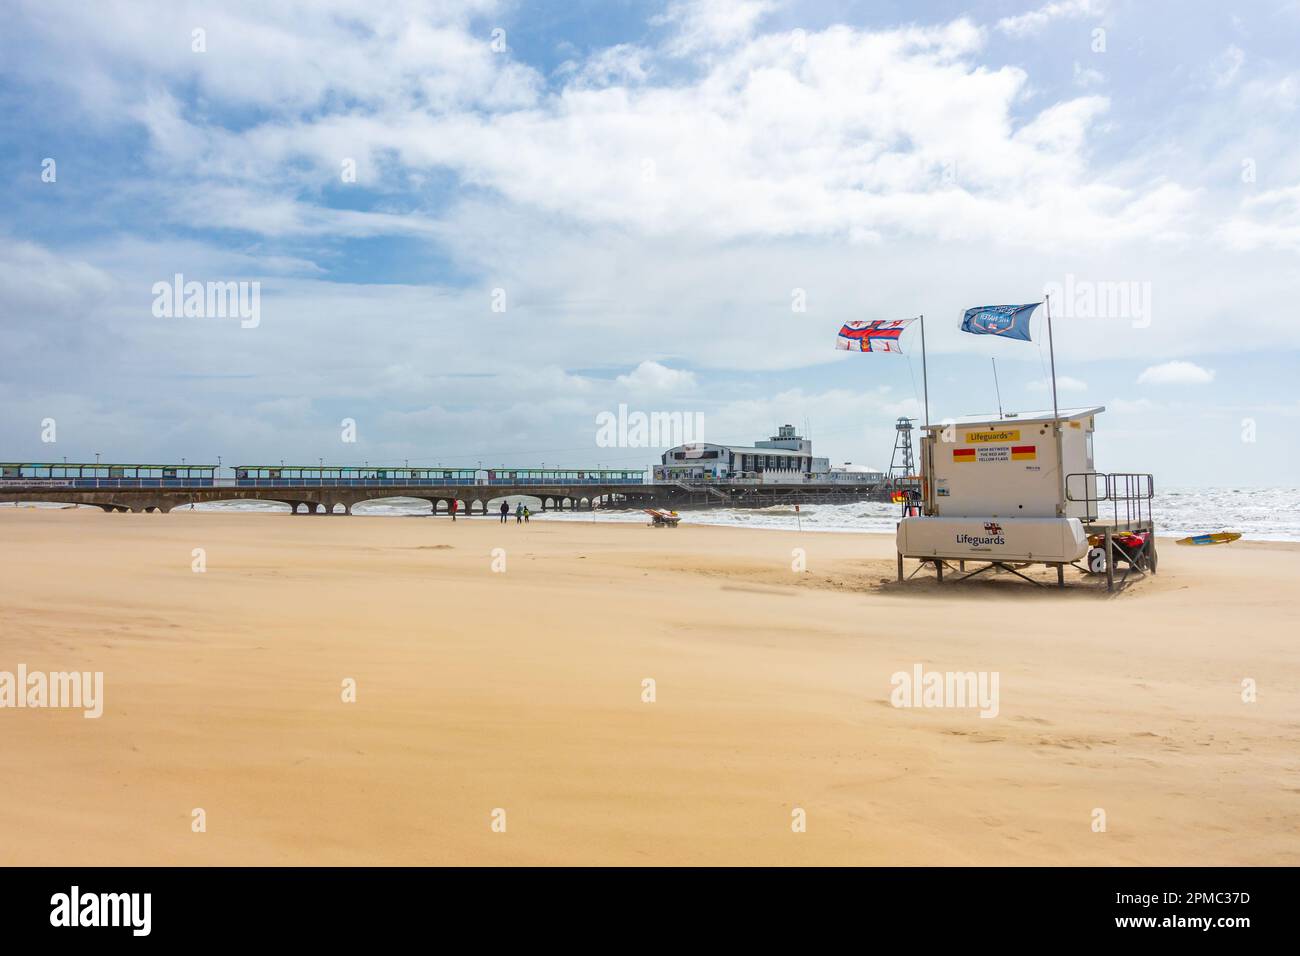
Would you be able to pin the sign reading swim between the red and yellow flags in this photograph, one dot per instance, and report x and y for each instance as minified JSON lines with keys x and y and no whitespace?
{"x":988,"y":453}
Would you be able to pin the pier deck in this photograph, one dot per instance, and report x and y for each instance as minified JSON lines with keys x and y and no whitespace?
{"x":323,"y":496}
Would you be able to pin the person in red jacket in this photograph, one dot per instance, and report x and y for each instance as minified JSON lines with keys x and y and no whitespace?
{"x":454,"y":505}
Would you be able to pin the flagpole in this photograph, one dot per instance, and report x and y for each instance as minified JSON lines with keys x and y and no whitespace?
{"x":996,"y":387}
{"x":925,"y":378}
{"x":1056,"y":414}
{"x":926,"y":441}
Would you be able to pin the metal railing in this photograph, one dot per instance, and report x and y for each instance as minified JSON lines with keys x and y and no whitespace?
{"x":1128,"y":493}
{"x":163,"y":483}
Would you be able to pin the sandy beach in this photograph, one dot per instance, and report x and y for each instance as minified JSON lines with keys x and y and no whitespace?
{"x":522,"y":689}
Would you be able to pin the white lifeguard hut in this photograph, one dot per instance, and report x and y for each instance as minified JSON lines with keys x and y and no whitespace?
{"x":1017,"y":489}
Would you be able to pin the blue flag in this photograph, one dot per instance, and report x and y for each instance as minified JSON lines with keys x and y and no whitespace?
{"x":1008,"y":321}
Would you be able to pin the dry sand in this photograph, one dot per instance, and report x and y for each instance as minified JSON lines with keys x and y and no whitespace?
{"x":523,"y":690}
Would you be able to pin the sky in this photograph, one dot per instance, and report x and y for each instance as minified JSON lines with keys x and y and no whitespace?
{"x":475,"y":227}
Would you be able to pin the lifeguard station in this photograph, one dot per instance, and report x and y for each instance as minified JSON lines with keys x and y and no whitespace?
{"x":1021,"y":489}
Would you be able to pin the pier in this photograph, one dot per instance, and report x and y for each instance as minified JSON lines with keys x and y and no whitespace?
{"x":317,"y":498}
{"x":337,"y":490}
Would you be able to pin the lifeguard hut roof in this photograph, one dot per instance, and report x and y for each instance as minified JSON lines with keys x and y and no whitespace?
{"x":1010,"y":418}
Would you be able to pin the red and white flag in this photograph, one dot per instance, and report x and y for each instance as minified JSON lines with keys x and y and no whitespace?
{"x":877,"y":336}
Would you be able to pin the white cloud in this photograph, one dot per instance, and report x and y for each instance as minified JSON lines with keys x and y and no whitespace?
{"x":1227,"y":64}
{"x":286,"y":58}
{"x":705,"y":24}
{"x":650,"y":376}
{"x":1034,"y":21}
{"x":1086,"y":76}
{"x":1176,"y":373}
{"x":1130,"y":406}
{"x":865,"y":135}
{"x":1064,"y":383}
{"x":621,"y":64}
{"x":1278,"y":92}
{"x":1270,"y":219}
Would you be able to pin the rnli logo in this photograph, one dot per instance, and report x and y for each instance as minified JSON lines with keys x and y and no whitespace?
{"x":992,"y":527}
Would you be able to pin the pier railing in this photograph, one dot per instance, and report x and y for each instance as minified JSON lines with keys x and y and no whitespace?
{"x":111,"y":483}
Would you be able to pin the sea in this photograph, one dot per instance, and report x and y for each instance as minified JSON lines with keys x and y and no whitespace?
{"x":1262,"y":514}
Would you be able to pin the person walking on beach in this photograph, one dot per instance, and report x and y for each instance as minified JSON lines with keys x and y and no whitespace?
{"x":519,"y":513}
{"x":505,"y":511}
{"x":452,"y":507}
{"x":526,"y":514}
